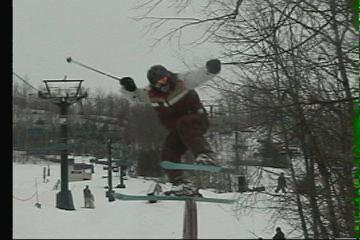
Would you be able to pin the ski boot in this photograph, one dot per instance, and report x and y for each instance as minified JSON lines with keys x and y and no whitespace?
{"x":206,"y":159}
{"x":183,"y":187}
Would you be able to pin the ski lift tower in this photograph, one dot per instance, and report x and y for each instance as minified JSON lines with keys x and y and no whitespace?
{"x":63,"y":93}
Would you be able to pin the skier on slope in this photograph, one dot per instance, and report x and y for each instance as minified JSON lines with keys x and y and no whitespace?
{"x":180,"y":111}
{"x":281,"y":183}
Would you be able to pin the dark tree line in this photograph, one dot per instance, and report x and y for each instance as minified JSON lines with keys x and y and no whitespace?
{"x":91,"y":122}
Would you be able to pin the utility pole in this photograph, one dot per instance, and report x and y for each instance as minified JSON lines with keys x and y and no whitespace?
{"x":109,"y":193}
{"x":237,"y":150}
{"x":63,"y":97}
{"x":122,"y":169}
{"x":123,"y":163}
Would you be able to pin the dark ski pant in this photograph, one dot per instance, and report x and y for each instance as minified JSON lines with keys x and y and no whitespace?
{"x":187,"y":135}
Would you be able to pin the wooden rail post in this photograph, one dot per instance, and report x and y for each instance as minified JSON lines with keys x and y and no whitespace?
{"x":190,"y":220}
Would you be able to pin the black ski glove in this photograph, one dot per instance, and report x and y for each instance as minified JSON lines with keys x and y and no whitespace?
{"x":128,"y":83}
{"x":213,"y":66}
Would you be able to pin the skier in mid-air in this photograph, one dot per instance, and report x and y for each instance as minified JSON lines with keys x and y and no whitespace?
{"x":180,"y":110}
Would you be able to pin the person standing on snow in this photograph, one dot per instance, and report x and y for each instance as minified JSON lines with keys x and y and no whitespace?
{"x":44,"y":174}
{"x":87,"y":196}
{"x":180,"y":111}
{"x":279,"y":234}
{"x":281,"y":183}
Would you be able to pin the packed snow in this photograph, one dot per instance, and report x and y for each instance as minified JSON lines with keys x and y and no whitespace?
{"x":119,"y":219}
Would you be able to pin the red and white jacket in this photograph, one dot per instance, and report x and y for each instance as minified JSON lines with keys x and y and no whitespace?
{"x":181,"y":100}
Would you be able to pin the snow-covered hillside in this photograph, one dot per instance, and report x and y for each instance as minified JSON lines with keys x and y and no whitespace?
{"x":119,"y":219}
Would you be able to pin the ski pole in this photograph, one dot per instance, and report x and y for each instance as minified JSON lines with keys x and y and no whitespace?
{"x":70,"y":60}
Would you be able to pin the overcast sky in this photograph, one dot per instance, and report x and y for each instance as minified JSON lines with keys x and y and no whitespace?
{"x":97,"y":33}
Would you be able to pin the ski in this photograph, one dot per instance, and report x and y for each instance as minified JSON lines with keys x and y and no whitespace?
{"x":128,"y":197}
{"x":196,"y":167}
{"x":215,"y":169}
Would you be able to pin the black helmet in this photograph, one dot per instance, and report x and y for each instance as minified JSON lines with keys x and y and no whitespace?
{"x":157,"y":72}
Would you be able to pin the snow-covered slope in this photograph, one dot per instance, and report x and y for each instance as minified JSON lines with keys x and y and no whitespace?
{"x":118,"y":219}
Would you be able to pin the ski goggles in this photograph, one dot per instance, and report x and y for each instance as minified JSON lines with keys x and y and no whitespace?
{"x":162,"y":82}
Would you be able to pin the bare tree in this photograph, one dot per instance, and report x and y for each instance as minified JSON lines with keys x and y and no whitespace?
{"x":293,"y":67}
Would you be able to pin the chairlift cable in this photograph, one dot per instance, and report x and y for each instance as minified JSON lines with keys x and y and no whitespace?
{"x":22,"y":79}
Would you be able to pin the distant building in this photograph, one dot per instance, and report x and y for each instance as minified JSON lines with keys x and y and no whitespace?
{"x":80,"y":171}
